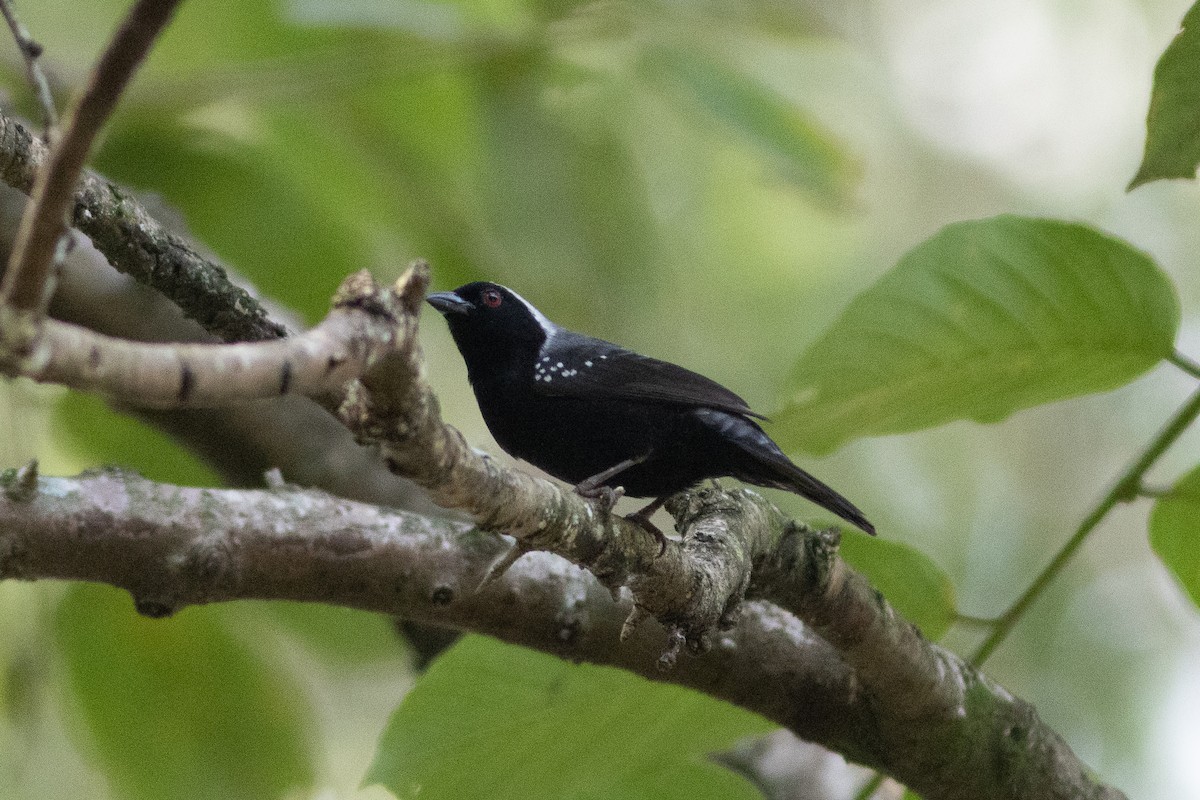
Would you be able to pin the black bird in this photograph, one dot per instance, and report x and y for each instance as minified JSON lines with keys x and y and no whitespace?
{"x":606,"y":419}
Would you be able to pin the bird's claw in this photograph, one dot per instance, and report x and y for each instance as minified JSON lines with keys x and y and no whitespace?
{"x":605,"y":496}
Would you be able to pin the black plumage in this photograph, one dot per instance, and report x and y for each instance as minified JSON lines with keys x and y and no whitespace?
{"x":599,"y":416}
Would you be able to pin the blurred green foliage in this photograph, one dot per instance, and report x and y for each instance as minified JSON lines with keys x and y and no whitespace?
{"x":341,"y":637}
{"x":909,"y":579}
{"x":493,"y":720}
{"x":180,"y":707}
{"x":98,"y":435}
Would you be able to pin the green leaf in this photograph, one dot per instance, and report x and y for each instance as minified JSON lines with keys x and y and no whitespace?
{"x":496,"y":721}
{"x":1175,"y":532}
{"x":178,"y":707}
{"x":983,"y":319}
{"x":800,"y":148}
{"x":911,"y":582}
{"x":339,"y":636}
{"x":1173,"y":122}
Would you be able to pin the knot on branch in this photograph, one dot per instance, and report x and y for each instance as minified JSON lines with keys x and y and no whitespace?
{"x":387,"y":402}
{"x":360,"y":290}
{"x":20,"y":483}
{"x":689,"y":507}
{"x":19,"y":332}
{"x":697,"y":589}
{"x":801,"y":570}
{"x":803,"y":557}
{"x":411,"y":287}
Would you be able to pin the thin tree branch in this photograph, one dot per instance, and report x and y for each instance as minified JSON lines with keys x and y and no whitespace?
{"x":239,"y":442}
{"x":1184,"y":363}
{"x":24,"y":286}
{"x":31,"y":51}
{"x":1124,"y":490}
{"x":316,"y":363}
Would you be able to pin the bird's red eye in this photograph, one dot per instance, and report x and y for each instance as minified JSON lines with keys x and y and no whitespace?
{"x":492,"y":298}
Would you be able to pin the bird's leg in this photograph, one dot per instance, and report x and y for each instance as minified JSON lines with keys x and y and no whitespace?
{"x":589,"y":487}
{"x":594,"y":486}
{"x":641,"y":518}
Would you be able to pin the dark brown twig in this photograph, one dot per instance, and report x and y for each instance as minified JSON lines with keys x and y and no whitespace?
{"x":45,"y":221}
{"x":31,"y":51}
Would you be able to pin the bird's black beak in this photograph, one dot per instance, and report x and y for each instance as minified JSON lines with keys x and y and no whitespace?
{"x":450,"y":303}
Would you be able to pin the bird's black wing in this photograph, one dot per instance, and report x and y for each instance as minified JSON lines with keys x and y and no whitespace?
{"x":574,"y":365}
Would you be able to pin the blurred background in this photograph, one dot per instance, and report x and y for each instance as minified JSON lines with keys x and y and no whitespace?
{"x":706,"y":182}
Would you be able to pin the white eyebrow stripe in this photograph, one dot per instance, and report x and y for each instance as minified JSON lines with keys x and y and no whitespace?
{"x":549,"y":327}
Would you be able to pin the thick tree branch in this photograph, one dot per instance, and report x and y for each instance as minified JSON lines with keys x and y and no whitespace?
{"x":24,"y":287}
{"x":170,"y":547}
{"x":969,"y":732}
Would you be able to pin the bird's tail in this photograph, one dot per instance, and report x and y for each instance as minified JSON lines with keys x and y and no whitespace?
{"x":794,"y":479}
{"x":760,"y":461}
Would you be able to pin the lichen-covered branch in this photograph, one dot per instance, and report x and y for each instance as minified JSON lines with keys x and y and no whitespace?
{"x":135,"y":243}
{"x":171,"y":546}
{"x":940,"y":721}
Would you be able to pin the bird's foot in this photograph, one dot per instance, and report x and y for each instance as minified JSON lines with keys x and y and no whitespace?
{"x":606,"y":496}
